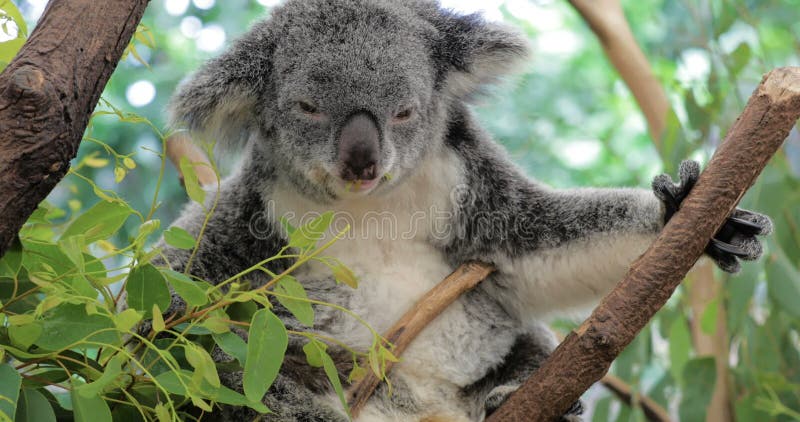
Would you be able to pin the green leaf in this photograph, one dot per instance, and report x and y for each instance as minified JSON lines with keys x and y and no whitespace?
{"x":112,"y":370}
{"x":127,"y":319}
{"x":309,"y":234}
{"x":171,"y":382}
{"x":602,"y":410}
{"x":100,"y":221}
{"x":204,"y":366}
{"x":266,"y":347}
{"x":186,"y":288}
{"x":23,"y":336}
{"x":147,"y":228}
{"x":11,"y":262}
{"x":146,"y":287}
{"x":699,"y":376}
{"x":301,"y":309}
{"x":179,"y":238}
{"x":740,"y":57}
{"x":88,"y":409}
{"x":12,"y":11}
{"x":68,"y":324}
{"x":158,"y":320}
{"x":783,"y":281}
{"x":162,"y":413}
{"x":190,"y":180}
{"x":680,"y":345}
{"x":233,"y":345}
{"x":312,"y":351}
{"x":33,"y":406}
{"x":317,"y":355}
{"x":345,"y":275}
{"x":10,"y":382}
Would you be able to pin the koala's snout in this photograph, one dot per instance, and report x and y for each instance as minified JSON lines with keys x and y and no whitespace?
{"x":359,"y":147}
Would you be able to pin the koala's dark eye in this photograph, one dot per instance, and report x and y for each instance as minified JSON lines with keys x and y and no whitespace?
{"x":307,"y":107}
{"x":403,"y":115}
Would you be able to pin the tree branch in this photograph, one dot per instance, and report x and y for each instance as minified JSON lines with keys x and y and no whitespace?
{"x":652,"y":410}
{"x":47,"y":94}
{"x":608,"y":22}
{"x":586,"y":354}
{"x":415,"y":320}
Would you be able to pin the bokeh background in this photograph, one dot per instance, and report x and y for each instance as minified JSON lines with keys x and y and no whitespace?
{"x":569,"y":121}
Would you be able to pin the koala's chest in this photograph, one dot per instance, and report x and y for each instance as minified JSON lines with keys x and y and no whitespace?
{"x":393,"y":274}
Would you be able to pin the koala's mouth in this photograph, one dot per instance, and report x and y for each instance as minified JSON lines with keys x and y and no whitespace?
{"x":366,"y":185}
{"x":323,"y":177}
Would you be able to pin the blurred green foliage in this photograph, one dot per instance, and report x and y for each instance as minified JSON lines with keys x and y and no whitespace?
{"x":569,"y":121}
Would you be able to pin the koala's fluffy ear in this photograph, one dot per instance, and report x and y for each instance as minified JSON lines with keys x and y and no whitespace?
{"x":220,"y":101}
{"x":473,"y":53}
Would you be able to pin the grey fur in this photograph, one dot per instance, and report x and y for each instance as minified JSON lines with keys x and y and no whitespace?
{"x":555,"y":249}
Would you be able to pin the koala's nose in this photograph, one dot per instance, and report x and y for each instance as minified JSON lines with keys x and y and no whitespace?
{"x":359,"y":147}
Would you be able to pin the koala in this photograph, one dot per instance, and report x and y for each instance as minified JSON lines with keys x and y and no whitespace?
{"x":363,"y":108}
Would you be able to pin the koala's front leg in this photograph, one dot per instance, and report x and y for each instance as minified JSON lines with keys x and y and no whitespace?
{"x":568,"y":248}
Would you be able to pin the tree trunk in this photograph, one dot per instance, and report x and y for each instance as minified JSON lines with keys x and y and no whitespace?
{"x":47,"y":94}
{"x":586,"y":354}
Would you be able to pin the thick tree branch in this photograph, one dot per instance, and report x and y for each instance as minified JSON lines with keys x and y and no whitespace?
{"x":47,"y":94}
{"x":586,"y":354}
{"x":415,"y":320}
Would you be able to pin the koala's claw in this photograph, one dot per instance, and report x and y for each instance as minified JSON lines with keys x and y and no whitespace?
{"x":735,"y":240}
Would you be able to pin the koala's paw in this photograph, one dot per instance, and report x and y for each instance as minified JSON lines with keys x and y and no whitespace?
{"x":735,"y":240}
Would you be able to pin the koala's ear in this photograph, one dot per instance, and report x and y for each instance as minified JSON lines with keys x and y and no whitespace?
{"x":220,"y":101}
{"x":473,"y":53}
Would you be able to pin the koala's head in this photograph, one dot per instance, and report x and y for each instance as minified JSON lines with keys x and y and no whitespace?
{"x":346,"y":96}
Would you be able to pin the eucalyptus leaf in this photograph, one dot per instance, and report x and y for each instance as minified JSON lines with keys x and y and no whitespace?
{"x":146,"y":287}
{"x":88,"y":409}
{"x":33,"y":406}
{"x":317,"y":355}
{"x":783,"y":281}
{"x":293,"y":296}
{"x":179,"y":238}
{"x":100,"y":221}
{"x":266,"y":347}
{"x":10,"y":382}
{"x":680,"y":346}
{"x":68,"y":324}
{"x":190,"y":180}
{"x":191,"y":291}
{"x":699,"y":376}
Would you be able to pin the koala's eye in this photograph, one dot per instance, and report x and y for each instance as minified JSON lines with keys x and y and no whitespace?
{"x":403,"y":115}
{"x":307,"y":107}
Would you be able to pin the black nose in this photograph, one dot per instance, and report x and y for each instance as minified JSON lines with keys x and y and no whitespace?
{"x":359,"y":147}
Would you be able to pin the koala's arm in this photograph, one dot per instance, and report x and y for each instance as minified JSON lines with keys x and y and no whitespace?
{"x":562,"y":249}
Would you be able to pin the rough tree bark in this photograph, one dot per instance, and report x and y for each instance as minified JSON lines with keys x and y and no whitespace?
{"x":586,"y":354}
{"x":47,"y":94}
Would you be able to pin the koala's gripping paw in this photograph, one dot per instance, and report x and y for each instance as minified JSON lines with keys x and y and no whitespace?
{"x":735,"y":240}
